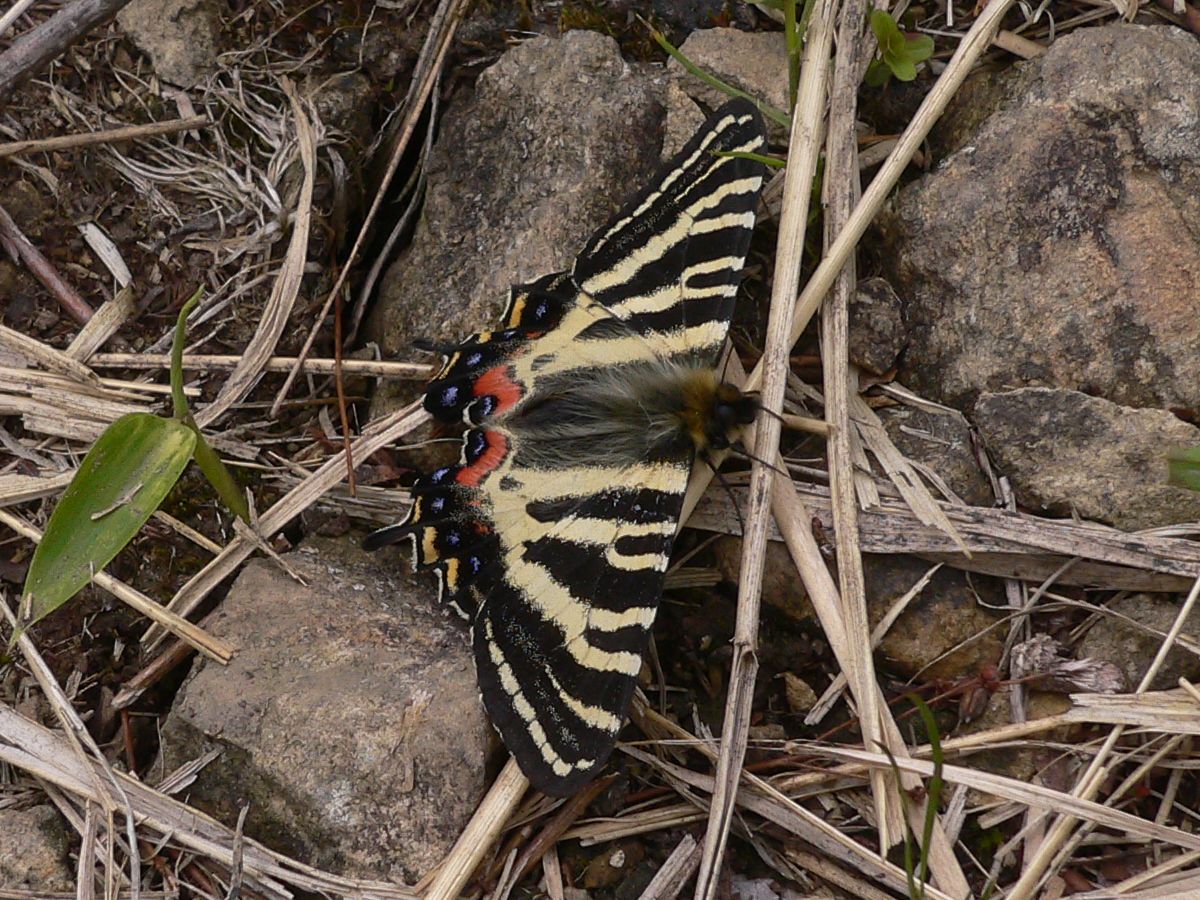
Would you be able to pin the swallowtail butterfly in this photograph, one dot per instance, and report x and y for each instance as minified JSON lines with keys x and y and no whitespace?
{"x":586,"y":409}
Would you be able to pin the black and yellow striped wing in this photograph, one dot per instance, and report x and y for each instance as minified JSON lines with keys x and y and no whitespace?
{"x":553,"y":533}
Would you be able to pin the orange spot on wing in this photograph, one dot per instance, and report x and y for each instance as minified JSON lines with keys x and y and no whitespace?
{"x":497,"y":449}
{"x":496,"y":382}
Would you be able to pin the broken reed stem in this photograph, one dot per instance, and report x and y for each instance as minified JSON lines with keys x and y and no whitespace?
{"x":803,"y":149}
{"x":841,"y":194}
{"x":109,"y":136}
{"x":378,"y":368}
{"x":972,"y":46}
{"x":479,"y":835}
{"x":1090,"y":781}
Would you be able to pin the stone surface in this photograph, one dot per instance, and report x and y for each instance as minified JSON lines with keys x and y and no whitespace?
{"x":1066,"y":452}
{"x":349,"y":719}
{"x":179,"y":36}
{"x":877,"y":330}
{"x":939,"y":442}
{"x":946,"y":614}
{"x":755,"y":62}
{"x":1057,"y":247}
{"x":556,"y":136}
{"x":33,"y":851}
{"x":1132,"y":649}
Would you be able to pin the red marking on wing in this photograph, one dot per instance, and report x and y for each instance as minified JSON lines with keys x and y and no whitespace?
{"x":497,"y":449}
{"x":496,"y":382}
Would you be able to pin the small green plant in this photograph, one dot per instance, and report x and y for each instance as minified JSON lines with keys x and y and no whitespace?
{"x":899,"y":53}
{"x":1183,"y":468}
{"x":917,"y":869}
{"x":122,"y":480}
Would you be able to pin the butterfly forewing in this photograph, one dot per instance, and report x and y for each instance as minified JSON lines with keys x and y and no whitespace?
{"x":554,"y":532}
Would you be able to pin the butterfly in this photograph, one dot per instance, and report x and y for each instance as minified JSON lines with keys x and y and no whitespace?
{"x":586,"y":410}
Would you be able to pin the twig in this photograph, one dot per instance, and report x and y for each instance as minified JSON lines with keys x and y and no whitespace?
{"x":109,"y":136}
{"x":803,"y":149}
{"x":477,"y":838}
{"x":21,"y":249}
{"x":675,"y":871}
{"x":15,"y":12}
{"x":38,"y":46}
{"x":159,"y":667}
{"x":378,"y":368}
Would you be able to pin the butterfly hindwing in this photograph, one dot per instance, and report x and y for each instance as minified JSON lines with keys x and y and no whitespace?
{"x":554,"y":531}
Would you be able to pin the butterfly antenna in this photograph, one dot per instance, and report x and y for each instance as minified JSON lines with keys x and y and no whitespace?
{"x":737,"y":510}
{"x":746,"y":454}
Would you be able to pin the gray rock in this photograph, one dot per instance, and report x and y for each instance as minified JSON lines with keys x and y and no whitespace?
{"x":946,"y":614}
{"x":1069,"y":453}
{"x":939,"y":442}
{"x":947,"y":617}
{"x":33,"y":851}
{"x":557,"y":135}
{"x":755,"y":62}
{"x":349,"y":719}
{"x":179,"y":36}
{"x":1132,"y":649}
{"x":877,"y":330}
{"x":1057,"y":247}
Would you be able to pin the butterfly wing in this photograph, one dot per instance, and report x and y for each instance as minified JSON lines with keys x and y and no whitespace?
{"x":559,"y":565}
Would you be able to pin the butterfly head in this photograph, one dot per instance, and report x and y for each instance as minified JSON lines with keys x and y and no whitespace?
{"x":731,"y":411}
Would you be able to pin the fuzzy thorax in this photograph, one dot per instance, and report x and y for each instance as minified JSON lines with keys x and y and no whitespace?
{"x":637,"y":412}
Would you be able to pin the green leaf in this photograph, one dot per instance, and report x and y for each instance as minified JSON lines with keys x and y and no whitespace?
{"x":899,"y":53}
{"x":125,"y":476}
{"x":1183,"y":468}
{"x":903,"y":68}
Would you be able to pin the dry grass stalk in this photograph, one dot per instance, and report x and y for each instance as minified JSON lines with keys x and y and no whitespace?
{"x":83,"y":747}
{"x":1027,"y":794}
{"x":45,"y":356}
{"x":286,"y":288}
{"x":764,"y":800}
{"x":1171,"y":712}
{"x":42,"y":753}
{"x":108,"y":136}
{"x":374,"y":437}
{"x":803,"y":150}
{"x":840,"y":382}
{"x":675,"y":871}
{"x":16,"y":489}
{"x":210,"y":646}
{"x":1059,"y":832}
{"x":900,"y":471}
{"x":479,"y":835}
{"x":210,"y":362}
{"x":1001,"y":543}
{"x":111,"y":315}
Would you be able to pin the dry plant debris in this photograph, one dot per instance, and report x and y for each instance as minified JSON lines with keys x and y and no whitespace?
{"x":227,"y":176}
